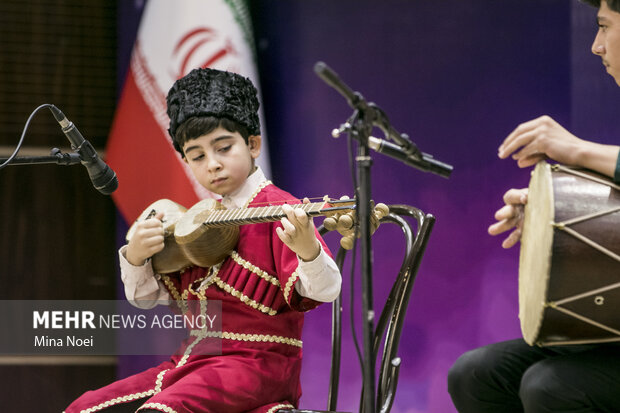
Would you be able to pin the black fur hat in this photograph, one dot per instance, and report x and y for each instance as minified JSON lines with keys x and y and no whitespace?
{"x":211,"y":92}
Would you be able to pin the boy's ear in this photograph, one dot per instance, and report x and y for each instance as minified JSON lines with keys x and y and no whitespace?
{"x":254,"y":144}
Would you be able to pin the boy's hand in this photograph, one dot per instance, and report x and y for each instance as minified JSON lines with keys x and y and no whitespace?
{"x":298,"y":234}
{"x":147,"y":240}
{"x":510,"y":216}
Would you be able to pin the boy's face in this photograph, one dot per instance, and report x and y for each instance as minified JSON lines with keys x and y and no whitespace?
{"x":221,"y":160}
{"x":607,"y":41}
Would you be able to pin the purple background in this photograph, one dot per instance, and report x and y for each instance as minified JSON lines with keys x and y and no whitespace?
{"x":457,"y":76}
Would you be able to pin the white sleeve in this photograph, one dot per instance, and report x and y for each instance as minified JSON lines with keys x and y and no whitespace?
{"x":319,"y":279}
{"x":143,"y":289}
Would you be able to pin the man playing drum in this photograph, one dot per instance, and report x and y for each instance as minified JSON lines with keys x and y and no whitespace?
{"x":512,"y":376}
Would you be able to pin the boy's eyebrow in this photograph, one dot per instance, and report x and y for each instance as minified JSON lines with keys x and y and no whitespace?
{"x":213,"y":142}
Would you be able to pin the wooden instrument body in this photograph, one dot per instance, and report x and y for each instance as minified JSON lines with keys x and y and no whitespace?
{"x":205,"y":246}
{"x":196,"y":245}
{"x":172,"y":258}
{"x":567,"y":291}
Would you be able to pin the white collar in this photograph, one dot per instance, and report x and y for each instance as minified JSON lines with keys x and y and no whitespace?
{"x":242,"y":195}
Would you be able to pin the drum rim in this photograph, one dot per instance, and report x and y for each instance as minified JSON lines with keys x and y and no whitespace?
{"x":531,"y":326}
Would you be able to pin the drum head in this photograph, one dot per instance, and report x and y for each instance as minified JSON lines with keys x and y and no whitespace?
{"x":172,"y":213}
{"x":535,"y":257}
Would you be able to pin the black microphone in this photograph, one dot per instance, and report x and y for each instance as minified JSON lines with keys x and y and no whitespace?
{"x":420,"y":160}
{"x":101,"y":175}
{"x":331,"y":78}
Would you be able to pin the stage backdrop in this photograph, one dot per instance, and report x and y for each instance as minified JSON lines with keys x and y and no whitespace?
{"x":457,"y":76}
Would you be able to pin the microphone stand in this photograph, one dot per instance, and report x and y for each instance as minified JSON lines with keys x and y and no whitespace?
{"x":361,"y":130}
{"x":102,"y":177}
{"x":359,"y":126}
{"x":56,"y":156}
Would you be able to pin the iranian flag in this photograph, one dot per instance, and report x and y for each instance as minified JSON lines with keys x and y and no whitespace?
{"x":174,"y":37}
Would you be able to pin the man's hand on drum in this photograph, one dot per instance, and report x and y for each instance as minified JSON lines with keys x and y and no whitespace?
{"x":539,"y":139}
{"x":510,"y":216}
{"x":543,"y":138}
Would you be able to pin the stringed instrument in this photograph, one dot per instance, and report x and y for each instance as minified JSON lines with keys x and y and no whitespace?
{"x":205,"y":234}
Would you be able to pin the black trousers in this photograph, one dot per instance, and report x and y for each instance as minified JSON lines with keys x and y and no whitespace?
{"x":511,"y":376}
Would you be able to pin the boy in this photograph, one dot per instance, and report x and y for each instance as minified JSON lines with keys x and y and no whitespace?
{"x":511,"y":376}
{"x":274,"y":274}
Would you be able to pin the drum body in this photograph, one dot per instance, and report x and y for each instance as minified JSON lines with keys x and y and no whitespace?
{"x":569,"y":269}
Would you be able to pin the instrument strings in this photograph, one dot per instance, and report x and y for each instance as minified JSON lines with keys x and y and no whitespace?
{"x":286,"y":201}
{"x":268,"y":213}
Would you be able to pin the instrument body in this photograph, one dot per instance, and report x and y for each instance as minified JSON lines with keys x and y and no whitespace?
{"x":206,"y":233}
{"x":171,"y":258}
{"x":569,"y":269}
{"x":203,"y":245}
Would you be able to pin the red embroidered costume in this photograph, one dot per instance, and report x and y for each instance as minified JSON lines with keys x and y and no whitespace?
{"x":263,"y":286}
{"x":262,"y":317}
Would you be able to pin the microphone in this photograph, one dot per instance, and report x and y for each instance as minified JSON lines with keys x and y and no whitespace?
{"x":101,"y":175}
{"x":419,"y":160}
{"x":355,"y":100}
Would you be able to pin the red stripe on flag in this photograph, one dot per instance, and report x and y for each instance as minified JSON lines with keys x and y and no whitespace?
{"x":141,"y":156}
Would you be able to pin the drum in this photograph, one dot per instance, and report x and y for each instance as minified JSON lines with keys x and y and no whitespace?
{"x":569,"y":266}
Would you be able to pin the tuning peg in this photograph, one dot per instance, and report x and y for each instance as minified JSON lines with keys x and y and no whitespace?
{"x":381,"y":210}
{"x":330,"y":223}
{"x":346,"y":242}
{"x":345,"y":222}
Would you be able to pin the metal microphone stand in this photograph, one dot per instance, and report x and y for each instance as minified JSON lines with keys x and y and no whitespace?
{"x":360,"y":129}
{"x":359,"y":126}
{"x":56,"y":156}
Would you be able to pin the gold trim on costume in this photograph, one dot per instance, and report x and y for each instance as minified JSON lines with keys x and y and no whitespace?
{"x":244,"y":298}
{"x":289,"y":284}
{"x":188,"y":349}
{"x":264,"y":338}
{"x":253,"y":268}
{"x":130,"y":397}
{"x":280,"y":406}
{"x":159,"y":381}
{"x":210,"y":277}
{"x":175,"y":293}
{"x":260,"y":188}
{"x":117,"y":400}
{"x":171,"y":287}
{"x":160,"y":406}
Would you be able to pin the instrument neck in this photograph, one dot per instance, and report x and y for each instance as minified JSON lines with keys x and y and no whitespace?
{"x":242,"y":216}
